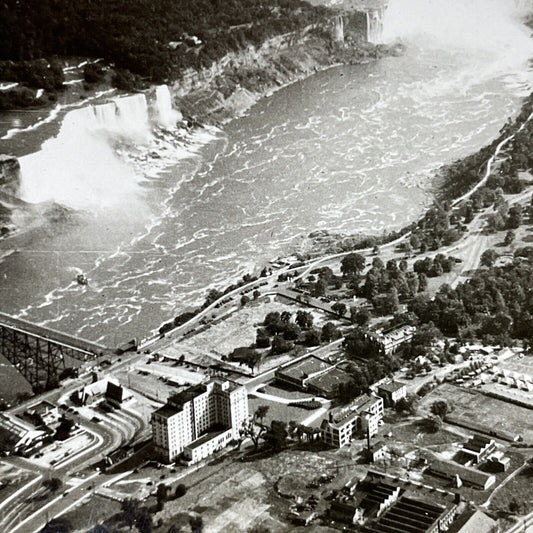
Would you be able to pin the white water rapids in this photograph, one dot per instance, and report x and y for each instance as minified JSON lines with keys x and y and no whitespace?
{"x":161,"y":216}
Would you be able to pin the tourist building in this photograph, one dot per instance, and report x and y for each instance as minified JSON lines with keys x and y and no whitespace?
{"x":200,"y":420}
{"x":359,"y":419}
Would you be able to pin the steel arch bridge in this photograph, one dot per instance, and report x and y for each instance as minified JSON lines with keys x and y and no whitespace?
{"x":39,"y":353}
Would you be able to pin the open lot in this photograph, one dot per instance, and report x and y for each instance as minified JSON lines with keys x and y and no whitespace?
{"x":490,"y":412}
{"x":281,"y":411}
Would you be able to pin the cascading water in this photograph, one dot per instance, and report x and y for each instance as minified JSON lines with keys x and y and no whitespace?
{"x":80,"y":168}
{"x":167,"y":116}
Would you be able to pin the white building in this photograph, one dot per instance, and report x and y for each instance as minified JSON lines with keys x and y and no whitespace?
{"x":203,"y":418}
{"x":359,"y":418}
{"x":392,"y":339}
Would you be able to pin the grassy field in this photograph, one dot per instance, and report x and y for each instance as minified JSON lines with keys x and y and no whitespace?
{"x":492,"y":413}
{"x":516,"y":492}
{"x":279,"y":411}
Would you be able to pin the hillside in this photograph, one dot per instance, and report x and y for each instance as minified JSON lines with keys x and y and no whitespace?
{"x":155,"y":39}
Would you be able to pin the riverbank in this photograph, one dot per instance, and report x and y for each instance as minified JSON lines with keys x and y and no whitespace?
{"x":232,"y":85}
{"x":467,"y":177}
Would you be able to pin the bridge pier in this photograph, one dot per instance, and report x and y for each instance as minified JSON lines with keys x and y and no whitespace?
{"x":39,"y":353}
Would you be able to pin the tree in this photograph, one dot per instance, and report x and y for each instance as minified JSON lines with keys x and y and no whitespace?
{"x":256,"y":294}
{"x":362,"y":317}
{"x":261,"y":412}
{"x":291,"y":331}
{"x":130,"y":509}
{"x":488,"y":257}
{"x":509,"y":238}
{"x":262,"y":339}
{"x":285,"y":316}
{"x":352,"y":264}
{"x":254,"y":427}
{"x":339,"y":308}
{"x":330,"y":332}
{"x":196,"y":523}
{"x":276,"y":436}
{"x":143,"y":522}
{"x":181,"y":490}
{"x":280,"y":345}
{"x":433,"y":423}
{"x":312,"y":337}
{"x":161,"y":495}
{"x":304,"y":319}
{"x":319,"y":288}
{"x":407,"y":404}
{"x":244,"y":300}
{"x":441,"y":408}
{"x":514,"y":217}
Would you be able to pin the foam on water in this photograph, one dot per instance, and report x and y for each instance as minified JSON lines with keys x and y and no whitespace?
{"x":349,"y":153}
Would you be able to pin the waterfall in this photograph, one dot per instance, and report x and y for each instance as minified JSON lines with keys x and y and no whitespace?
{"x":80,"y":168}
{"x":374,"y":25}
{"x":167,"y":116}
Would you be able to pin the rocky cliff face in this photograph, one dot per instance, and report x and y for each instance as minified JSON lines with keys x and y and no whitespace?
{"x":9,"y":174}
{"x":233,"y":84}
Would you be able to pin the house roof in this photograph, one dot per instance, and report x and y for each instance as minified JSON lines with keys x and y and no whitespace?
{"x":473,"y":522}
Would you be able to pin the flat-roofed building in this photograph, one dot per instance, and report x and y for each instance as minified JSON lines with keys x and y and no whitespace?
{"x":191,"y":414}
{"x":392,"y":391}
{"x":468,"y":476}
{"x":359,"y":418}
{"x":312,"y":374}
{"x":412,"y":515}
{"x":381,"y":503}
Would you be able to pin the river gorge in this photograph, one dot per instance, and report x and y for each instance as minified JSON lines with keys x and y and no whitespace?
{"x":156,"y":215}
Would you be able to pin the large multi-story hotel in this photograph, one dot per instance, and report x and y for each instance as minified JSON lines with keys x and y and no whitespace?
{"x":200,"y":420}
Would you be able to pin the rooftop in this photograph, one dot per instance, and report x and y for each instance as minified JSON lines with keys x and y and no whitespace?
{"x":181,"y":398}
{"x":342,"y":415}
{"x":166,"y":411}
{"x":473,"y":522}
{"x":304,"y":368}
{"x":391,"y":386}
{"x":205,"y":438}
{"x":330,"y":380}
{"x":467,"y":474}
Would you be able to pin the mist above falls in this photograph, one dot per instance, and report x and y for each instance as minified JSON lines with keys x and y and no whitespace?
{"x":468,"y":26}
{"x":81,"y":167}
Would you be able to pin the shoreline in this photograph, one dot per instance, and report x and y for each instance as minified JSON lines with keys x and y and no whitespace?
{"x":487,"y":154}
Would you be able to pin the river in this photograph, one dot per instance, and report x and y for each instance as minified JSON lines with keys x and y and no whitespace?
{"x":351,"y":149}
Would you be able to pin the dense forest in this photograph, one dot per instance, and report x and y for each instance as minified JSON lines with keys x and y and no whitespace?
{"x":155,"y":39}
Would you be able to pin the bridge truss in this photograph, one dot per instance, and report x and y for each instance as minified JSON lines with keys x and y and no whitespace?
{"x":38,"y":356}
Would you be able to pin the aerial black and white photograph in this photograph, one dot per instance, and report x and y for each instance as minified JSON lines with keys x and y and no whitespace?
{"x":266,"y":266}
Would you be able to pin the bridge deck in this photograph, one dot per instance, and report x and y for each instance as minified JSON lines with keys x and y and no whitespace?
{"x":52,"y":335}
